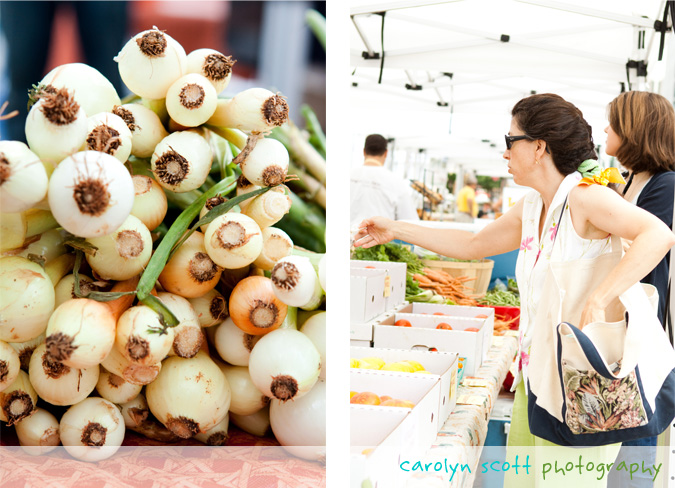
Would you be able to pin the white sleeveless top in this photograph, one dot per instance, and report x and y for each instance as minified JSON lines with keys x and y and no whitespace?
{"x":535,"y":254}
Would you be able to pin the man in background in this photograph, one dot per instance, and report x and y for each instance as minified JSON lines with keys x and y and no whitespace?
{"x":467,"y":207}
{"x":376,"y":191}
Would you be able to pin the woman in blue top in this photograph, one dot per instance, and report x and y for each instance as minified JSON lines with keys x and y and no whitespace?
{"x":641,"y":135}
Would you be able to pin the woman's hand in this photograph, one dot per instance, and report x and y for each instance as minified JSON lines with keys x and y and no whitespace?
{"x":592,"y":312}
{"x":374,"y":231}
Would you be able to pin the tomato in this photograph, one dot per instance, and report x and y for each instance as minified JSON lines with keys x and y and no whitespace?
{"x":481,"y":316}
{"x":444,"y":326}
{"x":470,"y":329}
{"x":439,"y":313}
{"x":369,"y":267}
{"x":403,"y":323}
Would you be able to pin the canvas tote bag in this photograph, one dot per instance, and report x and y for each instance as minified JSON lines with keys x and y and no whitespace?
{"x":612,"y":381}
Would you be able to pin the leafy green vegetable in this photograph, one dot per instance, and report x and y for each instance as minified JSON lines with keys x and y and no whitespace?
{"x":390,"y":252}
{"x":501,"y":298}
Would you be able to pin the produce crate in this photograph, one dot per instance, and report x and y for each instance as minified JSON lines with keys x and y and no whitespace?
{"x":366,"y":295}
{"x":459,"y":311}
{"x":423,"y":335}
{"x":439,"y":364}
{"x":394,"y":291}
{"x":482,"y":272}
{"x":421,"y":426}
{"x":377,"y":439}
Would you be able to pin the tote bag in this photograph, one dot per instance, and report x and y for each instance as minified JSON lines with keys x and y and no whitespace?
{"x":611,"y":382}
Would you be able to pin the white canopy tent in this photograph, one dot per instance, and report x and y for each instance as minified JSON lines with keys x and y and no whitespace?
{"x":452,"y":71}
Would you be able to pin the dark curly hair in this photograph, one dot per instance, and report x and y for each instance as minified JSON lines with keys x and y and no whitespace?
{"x":561,"y":125}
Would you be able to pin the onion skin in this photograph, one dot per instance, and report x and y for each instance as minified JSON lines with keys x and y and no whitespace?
{"x":92,"y":413}
{"x":254,"y":297}
{"x":38,"y":433}
{"x":284,"y":364}
{"x":80,"y":333}
{"x":302,"y":423}
{"x":171,"y":397}
{"x":26,"y":299}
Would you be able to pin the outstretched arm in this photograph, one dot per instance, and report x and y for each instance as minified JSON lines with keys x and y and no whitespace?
{"x":498,"y":237}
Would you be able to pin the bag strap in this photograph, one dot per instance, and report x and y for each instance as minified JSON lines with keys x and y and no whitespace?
{"x":670,"y":299}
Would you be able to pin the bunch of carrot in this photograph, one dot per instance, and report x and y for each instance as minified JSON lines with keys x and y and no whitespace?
{"x":502,"y":324}
{"x":447,"y":285}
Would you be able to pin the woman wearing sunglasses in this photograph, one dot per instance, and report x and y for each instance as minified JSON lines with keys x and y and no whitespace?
{"x":550,"y":149}
{"x":641,"y":135}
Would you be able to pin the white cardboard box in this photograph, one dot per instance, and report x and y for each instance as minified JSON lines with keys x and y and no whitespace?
{"x":441,"y":364}
{"x":394,"y":291}
{"x":424,"y":335}
{"x":366,"y":291}
{"x":460,"y":311}
{"x":360,"y":343}
{"x":420,"y":429}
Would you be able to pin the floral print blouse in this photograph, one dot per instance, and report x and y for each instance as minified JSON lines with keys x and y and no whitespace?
{"x":537,"y":251}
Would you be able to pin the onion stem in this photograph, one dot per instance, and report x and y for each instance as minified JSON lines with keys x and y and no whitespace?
{"x":314,"y":128}
{"x":163,"y":251}
{"x":235,"y":136}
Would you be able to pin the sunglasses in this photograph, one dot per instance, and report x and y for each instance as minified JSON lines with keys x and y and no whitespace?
{"x":511,"y":139}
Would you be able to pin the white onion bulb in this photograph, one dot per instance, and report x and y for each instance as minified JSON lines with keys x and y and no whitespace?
{"x":137,"y":374}
{"x":109,"y":134}
{"x":322,"y":272}
{"x":150,"y":204}
{"x":57,"y":383}
{"x":191,"y":100}
{"x":136,"y":340}
{"x":246,"y":398}
{"x":216,"y":435}
{"x":56,"y":127}
{"x":182,"y":161}
{"x":276,"y":245}
{"x":10,"y":364}
{"x":114,"y":389}
{"x":233,"y":344}
{"x":80,"y":333}
{"x":23,"y":179}
{"x":211,"y":64}
{"x":190,"y":272}
{"x":90,"y":88}
{"x":315,"y":328}
{"x":65,"y":288}
{"x":38,"y":433}
{"x":211,"y":308}
{"x":296,"y":282}
{"x":300,"y":426}
{"x":91,"y":194}
{"x":92,"y":430}
{"x":284,"y":364}
{"x":233,"y":240}
{"x":252,"y":110}
{"x":145,"y":126}
{"x":18,"y":400}
{"x":123,"y":253}
{"x":267,"y":163}
{"x":188,"y":337}
{"x":26,"y":299}
{"x":172,"y":396}
{"x":150,"y":62}
{"x":256,"y":424}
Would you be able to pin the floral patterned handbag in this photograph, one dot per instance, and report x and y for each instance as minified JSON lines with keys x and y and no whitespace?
{"x":612,"y":382}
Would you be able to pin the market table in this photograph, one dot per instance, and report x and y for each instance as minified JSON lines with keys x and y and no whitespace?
{"x":461,"y":438}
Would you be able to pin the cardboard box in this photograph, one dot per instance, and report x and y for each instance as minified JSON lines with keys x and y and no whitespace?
{"x":394,"y":292}
{"x":366,"y":294}
{"x":423,"y":335}
{"x":440,"y":364}
{"x":459,"y":311}
{"x":421,"y":426}
{"x":361,"y":343}
{"x":364,"y":331}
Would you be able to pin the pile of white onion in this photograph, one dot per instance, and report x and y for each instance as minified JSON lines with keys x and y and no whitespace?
{"x":96,"y":175}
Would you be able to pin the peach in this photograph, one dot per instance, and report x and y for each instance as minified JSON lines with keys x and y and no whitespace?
{"x":384,"y":398}
{"x":365,"y":398}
